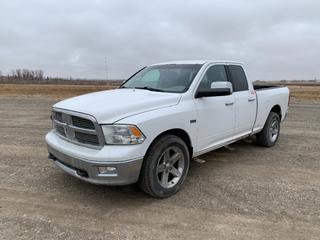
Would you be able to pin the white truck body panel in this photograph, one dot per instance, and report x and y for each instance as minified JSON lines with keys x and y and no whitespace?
{"x":118,"y":103}
{"x":267,"y":99}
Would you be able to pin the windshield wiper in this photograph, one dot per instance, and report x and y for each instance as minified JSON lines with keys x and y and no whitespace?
{"x":150,"y":89}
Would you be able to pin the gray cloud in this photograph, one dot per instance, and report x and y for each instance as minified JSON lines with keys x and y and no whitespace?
{"x":275,"y":39}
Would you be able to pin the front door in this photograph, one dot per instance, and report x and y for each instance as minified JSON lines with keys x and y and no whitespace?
{"x":215,"y":114}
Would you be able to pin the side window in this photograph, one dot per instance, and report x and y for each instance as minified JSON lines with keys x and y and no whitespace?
{"x":238,"y":78}
{"x":215,"y":73}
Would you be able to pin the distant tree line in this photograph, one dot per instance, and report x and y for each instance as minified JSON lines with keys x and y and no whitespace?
{"x":22,"y":76}
{"x":26,"y":76}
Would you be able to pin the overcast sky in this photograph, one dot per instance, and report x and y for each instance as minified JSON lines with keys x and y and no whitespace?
{"x":275,"y":39}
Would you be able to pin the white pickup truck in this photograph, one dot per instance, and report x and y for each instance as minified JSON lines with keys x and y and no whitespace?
{"x":148,"y":129}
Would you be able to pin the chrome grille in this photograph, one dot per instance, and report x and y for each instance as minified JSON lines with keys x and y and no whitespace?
{"x":58,"y":116}
{"x":60,"y":130}
{"x":82,"y":123}
{"x":87,"y":138}
{"x":78,"y":128}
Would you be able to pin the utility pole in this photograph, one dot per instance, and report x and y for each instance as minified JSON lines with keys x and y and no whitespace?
{"x":106,"y":67}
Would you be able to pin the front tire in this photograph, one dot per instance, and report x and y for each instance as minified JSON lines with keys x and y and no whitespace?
{"x":165,"y":167}
{"x":270,"y":132}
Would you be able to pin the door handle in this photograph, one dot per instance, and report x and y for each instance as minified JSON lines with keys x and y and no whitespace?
{"x":229,"y":103}
{"x":251,"y":99}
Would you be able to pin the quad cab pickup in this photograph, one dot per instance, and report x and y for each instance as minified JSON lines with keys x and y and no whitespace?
{"x":148,"y":129}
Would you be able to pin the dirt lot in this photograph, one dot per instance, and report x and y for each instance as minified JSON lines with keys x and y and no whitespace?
{"x":249,"y":192}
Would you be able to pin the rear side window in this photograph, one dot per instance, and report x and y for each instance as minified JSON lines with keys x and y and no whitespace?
{"x":238,"y":78}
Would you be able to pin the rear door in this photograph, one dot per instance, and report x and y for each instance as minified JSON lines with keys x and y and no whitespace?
{"x":215,"y":114}
{"x":245,"y":100}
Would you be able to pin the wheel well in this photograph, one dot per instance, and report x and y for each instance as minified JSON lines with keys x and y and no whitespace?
{"x":179,"y":133}
{"x":277,"y":110}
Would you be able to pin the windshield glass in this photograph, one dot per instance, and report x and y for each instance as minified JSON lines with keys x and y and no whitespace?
{"x":174,"y":78}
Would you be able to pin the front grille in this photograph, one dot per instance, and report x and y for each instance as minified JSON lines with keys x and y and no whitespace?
{"x":58,"y":116}
{"x":60,"y":130}
{"x":82,"y":122}
{"x":87,"y":138}
{"x":79,"y":129}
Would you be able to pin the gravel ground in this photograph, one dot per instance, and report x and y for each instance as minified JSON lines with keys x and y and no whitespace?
{"x":246,"y":192}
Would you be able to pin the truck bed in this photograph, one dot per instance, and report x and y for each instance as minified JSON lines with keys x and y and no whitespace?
{"x":269,"y":96}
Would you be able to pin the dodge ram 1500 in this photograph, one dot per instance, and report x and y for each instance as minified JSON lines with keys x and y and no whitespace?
{"x":148,"y":129}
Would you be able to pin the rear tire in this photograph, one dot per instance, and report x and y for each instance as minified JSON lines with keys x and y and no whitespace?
{"x":165,"y":167}
{"x":270,"y":132}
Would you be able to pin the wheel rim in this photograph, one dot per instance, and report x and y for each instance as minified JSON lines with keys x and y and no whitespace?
{"x":274,"y":130}
{"x":170,"y":167}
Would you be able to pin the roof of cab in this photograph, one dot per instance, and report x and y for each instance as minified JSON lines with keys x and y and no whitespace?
{"x":197,"y":62}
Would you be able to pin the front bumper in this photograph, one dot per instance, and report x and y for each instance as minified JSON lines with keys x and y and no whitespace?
{"x":86,"y":169}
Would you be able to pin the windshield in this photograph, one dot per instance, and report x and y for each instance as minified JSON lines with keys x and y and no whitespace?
{"x":174,"y":78}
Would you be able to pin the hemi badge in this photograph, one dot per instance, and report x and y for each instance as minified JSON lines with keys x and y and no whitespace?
{"x":193,"y":121}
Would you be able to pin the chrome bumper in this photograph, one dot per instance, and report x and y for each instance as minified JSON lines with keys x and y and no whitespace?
{"x":127,"y":172}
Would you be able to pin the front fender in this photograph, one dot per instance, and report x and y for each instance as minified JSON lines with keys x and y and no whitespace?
{"x":153,"y":123}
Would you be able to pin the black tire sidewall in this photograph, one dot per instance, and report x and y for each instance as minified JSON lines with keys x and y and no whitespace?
{"x":272,"y":116}
{"x":154,"y":156}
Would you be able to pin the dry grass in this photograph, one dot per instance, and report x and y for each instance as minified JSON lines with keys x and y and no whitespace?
{"x":305,"y":92}
{"x":297,"y":92}
{"x":58,"y":91}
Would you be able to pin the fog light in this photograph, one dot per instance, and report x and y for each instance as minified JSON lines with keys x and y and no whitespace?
{"x":108,"y":170}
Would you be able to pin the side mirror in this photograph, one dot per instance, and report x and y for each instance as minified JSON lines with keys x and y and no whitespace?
{"x":219,"y":85}
{"x":217,"y":89}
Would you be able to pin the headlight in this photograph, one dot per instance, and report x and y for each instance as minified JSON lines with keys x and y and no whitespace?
{"x":122,"y":134}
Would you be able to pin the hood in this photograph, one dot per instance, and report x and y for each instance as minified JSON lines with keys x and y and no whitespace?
{"x":112,"y":105}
